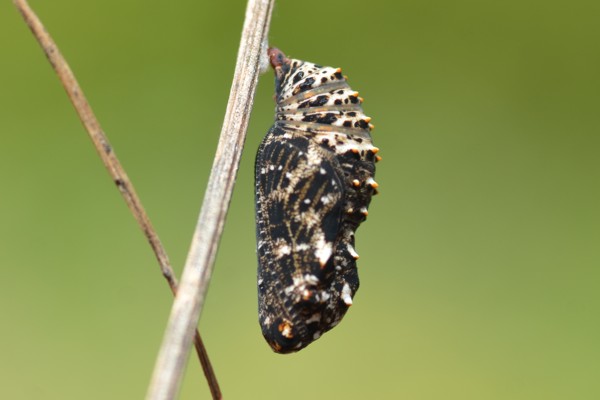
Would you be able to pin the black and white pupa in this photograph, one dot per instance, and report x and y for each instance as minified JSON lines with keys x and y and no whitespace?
{"x":314,"y":182}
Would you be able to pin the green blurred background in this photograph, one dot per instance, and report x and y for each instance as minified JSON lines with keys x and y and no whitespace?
{"x":480,"y":259}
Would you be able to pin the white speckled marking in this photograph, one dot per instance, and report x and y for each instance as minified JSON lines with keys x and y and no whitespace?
{"x":352,"y":252}
{"x":347,"y":295}
{"x":323,"y":252}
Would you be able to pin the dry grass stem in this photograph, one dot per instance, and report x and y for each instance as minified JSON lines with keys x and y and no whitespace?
{"x":112,"y":164}
{"x":187,"y":307}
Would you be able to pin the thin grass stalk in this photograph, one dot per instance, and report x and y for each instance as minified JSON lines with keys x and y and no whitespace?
{"x":112,"y":164}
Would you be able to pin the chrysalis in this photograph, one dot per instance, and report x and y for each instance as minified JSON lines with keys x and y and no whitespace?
{"x":314,"y":182}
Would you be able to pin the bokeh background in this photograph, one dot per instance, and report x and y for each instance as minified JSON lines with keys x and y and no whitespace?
{"x":480,"y":259}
